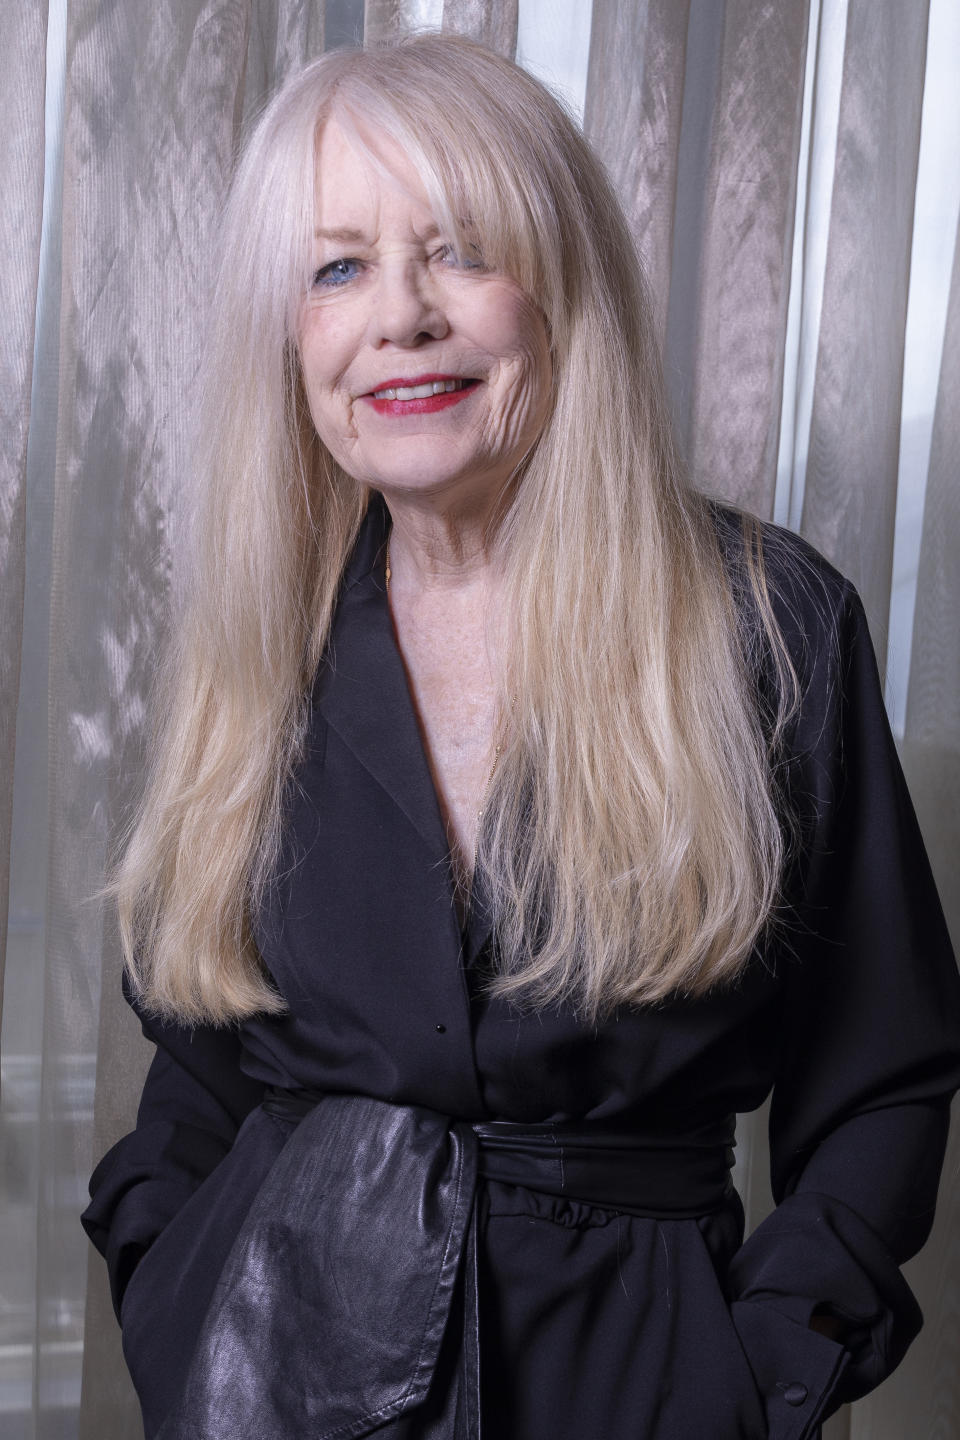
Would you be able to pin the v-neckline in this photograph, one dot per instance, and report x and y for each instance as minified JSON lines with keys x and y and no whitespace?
{"x":363,"y":692}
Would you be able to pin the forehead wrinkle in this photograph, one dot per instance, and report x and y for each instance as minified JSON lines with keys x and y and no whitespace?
{"x":423,"y":233}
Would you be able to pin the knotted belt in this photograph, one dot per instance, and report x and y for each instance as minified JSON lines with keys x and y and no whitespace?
{"x":357,"y":1263}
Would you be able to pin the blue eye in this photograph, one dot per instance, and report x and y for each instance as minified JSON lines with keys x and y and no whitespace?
{"x":337,"y":273}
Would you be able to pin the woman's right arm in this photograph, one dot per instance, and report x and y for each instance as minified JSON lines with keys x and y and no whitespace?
{"x":194,"y":1101}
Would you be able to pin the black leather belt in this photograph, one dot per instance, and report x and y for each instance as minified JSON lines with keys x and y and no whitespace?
{"x":659,"y":1176}
{"x":359,"y":1253}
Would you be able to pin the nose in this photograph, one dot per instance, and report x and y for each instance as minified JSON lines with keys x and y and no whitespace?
{"x":407,"y":309}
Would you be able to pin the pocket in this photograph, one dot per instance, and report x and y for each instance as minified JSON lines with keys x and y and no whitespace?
{"x":711,"y":1369}
{"x":793,"y":1370}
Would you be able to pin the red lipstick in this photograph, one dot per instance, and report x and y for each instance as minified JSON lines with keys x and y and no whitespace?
{"x":420,"y":404}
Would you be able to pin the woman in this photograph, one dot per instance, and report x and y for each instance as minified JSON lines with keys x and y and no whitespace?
{"x":516,"y":817}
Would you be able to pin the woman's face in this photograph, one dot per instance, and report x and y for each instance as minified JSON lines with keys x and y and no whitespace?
{"x":423,"y":375}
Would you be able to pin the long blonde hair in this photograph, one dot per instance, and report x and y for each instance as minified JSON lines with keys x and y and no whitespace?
{"x":631,"y":847}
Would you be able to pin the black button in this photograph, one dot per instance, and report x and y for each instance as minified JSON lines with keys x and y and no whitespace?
{"x":441,"y":1029}
{"x":795,"y":1394}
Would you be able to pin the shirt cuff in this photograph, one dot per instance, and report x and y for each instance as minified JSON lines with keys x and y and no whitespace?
{"x":796,"y":1370}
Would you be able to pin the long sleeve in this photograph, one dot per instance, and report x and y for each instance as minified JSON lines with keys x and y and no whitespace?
{"x":193,"y":1103}
{"x":870,"y":1055}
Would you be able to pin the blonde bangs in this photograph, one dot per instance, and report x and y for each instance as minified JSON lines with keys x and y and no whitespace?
{"x":484,"y":178}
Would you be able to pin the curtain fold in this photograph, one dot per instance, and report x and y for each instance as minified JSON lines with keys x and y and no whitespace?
{"x":284,"y":35}
{"x":635,"y":93}
{"x":392,"y":19}
{"x":931,"y":745}
{"x":923,"y":1398}
{"x":851,"y":479}
{"x":23,"y":40}
{"x":153,"y":105}
{"x":492,"y":25}
{"x":695,"y":107}
{"x":746,"y":240}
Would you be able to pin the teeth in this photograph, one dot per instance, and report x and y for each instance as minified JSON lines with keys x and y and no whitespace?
{"x":418,"y":392}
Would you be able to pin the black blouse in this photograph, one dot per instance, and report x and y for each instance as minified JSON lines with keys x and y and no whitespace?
{"x":593,"y":1322}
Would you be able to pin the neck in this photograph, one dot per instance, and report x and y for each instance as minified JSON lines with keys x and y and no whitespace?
{"x":439,"y":547}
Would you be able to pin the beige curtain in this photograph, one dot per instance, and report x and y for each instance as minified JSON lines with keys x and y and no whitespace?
{"x":23,"y":34}
{"x":702,"y":110}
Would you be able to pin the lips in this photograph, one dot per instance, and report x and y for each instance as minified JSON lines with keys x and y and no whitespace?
{"x":419,"y":394}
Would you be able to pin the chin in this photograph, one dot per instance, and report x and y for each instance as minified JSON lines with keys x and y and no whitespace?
{"x":420,"y":477}
{"x":423,"y":484}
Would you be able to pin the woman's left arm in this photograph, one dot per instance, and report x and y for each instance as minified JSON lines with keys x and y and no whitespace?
{"x":869,"y":1061}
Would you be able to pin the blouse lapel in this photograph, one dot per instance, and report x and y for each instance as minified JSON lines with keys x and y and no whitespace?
{"x":363,"y":694}
{"x":362,"y":689}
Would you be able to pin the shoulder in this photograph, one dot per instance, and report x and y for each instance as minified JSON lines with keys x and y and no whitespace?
{"x":816,"y":608}
{"x":804,"y":634}
{"x":796,"y":573}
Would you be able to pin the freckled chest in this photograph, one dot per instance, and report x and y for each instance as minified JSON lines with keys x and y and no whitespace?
{"x":446,"y":651}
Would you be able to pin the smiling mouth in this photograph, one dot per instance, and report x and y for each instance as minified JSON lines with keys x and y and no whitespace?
{"x":421,"y":395}
{"x":422,"y":391}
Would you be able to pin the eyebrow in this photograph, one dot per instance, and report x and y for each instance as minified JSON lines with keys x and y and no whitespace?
{"x":357,"y":237}
{"x":354,"y":237}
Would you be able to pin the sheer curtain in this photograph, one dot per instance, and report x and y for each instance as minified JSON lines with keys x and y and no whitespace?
{"x":789,"y":170}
